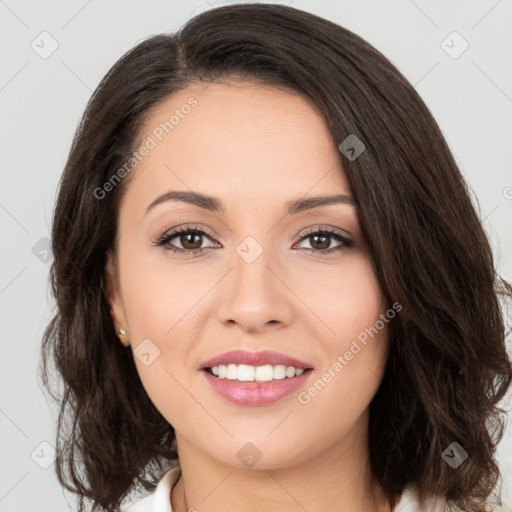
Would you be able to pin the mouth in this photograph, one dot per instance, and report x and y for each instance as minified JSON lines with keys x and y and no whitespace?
{"x":255,"y":378}
{"x":258,"y":389}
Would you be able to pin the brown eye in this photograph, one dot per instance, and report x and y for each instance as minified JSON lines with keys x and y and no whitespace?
{"x":190,"y":240}
{"x":321,"y":240}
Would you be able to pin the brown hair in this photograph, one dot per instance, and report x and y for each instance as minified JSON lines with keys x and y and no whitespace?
{"x":448,"y":367}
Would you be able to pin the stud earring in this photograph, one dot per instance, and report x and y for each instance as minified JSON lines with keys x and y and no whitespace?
{"x":121,"y":332}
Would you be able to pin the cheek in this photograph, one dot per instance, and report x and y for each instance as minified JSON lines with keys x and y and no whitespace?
{"x":162,"y":307}
{"x":356,"y":349}
{"x":365,"y":327}
{"x":347,"y":297}
{"x":159,"y":297}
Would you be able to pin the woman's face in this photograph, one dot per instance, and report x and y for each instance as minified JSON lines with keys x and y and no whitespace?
{"x":266,"y":280}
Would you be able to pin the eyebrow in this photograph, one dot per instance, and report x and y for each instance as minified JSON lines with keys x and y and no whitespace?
{"x":215,"y":205}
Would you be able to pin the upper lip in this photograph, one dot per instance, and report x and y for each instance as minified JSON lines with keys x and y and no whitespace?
{"x":255,"y":359}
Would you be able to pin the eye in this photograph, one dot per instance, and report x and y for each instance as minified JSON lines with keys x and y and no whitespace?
{"x":321,"y":240}
{"x":188,"y":237}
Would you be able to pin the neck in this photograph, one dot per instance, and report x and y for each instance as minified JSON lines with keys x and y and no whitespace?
{"x":337,"y":478}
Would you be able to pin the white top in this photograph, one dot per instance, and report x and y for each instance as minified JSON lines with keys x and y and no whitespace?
{"x":159,"y":500}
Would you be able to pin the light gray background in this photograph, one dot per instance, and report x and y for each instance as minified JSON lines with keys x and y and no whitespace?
{"x":41,"y":102}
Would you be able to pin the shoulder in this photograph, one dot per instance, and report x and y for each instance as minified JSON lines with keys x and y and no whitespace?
{"x":158,"y":500}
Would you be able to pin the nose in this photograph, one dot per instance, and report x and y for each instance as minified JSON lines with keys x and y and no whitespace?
{"x":254,"y":296}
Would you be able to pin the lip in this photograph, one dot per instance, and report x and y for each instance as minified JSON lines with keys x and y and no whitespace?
{"x":261,"y":358}
{"x":255,"y":393}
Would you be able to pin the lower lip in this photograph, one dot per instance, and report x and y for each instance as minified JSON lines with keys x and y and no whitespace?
{"x":255,"y":393}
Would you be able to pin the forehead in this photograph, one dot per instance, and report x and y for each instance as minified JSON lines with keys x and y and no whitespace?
{"x":238,"y":140}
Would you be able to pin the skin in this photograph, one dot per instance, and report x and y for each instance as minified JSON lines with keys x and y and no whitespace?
{"x":254,"y":148}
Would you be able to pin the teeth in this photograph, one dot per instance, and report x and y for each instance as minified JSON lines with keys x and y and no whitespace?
{"x":245,"y":372}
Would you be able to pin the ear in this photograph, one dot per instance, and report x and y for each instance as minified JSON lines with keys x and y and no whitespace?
{"x":114,"y":298}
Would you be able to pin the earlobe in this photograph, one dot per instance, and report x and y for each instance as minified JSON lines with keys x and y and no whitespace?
{"x":123,"y":336}
{"x":114,"y":298}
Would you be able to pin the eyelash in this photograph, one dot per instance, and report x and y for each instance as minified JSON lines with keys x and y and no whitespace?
{"x":164,"y":240}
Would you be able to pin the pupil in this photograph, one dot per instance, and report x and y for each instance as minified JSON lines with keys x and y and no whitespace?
{"x":325,"y":238}
{"x":186,"y":237}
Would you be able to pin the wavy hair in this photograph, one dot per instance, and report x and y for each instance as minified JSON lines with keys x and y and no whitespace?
{"x":447,"y":368}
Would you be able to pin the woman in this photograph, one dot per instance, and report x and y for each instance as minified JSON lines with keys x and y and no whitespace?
{"x":273,"y":289}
